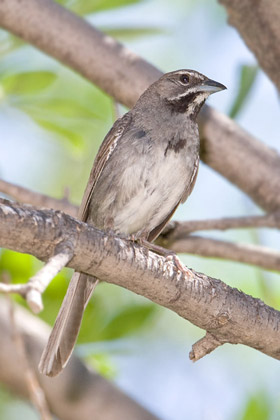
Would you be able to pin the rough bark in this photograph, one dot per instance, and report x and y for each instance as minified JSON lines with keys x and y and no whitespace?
{"x":258,"y":255}
{"x":176,"y":234}
{"x":225,"y":313}
{"x":257,"y":21}
{"x":122,"y":74}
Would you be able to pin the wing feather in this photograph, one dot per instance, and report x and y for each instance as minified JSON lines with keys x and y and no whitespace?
{"x":67,"y":325}
{"x":106,"y":149}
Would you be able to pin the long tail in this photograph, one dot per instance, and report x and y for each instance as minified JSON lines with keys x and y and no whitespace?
{"x":67,"y":325}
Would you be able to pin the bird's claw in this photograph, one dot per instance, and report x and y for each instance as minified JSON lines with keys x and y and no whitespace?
{"x":179,"y":265}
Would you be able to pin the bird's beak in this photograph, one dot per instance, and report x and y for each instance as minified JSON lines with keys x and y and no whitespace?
{"x":211,"y":86}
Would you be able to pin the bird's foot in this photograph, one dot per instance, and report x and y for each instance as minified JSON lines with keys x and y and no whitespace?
{"x":132,"y":238}
{"x":169,"y":256}
{"x":179,"y":265}
{"x":153,"y":247}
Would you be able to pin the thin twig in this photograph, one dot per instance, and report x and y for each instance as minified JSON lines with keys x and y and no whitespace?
{"x":33,"y":289}
{"x":270,"y":220}
{"x":245,"y":253}
{"x":39,"y":282}
{"x":204,"y":346}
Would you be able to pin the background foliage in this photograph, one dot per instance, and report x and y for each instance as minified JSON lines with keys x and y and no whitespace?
{"x":52,"y":123}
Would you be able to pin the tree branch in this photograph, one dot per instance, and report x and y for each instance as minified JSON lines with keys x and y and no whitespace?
{"x":38,"y":283}
{"x":174,"y":229}
{"x":27,"y":196}
{"x":124,"y":75}
{"x":258,"y":255}
{"x":78,"y":393}
{"x":204,"y":346}
{"x":24,"y":195}
{"x":258,"y":24}
{"x":175,"y":236}
{"x":239,"y":157}
{"x":227,"y":314}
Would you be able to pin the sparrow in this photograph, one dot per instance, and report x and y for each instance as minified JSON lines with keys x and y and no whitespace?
{"x":146,"y":166}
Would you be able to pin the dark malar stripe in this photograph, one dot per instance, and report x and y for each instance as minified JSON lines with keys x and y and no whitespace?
{"x":182,"y":104}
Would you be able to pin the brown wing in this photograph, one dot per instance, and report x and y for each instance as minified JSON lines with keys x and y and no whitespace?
{"x":106,"y":149}
{"x":158,"y":229}
{"x":67,"y":325}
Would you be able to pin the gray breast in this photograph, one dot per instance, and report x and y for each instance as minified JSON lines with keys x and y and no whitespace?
{"x":144,"y":179}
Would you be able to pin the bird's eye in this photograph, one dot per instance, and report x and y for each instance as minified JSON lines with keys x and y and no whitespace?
{"x":184,"y":79}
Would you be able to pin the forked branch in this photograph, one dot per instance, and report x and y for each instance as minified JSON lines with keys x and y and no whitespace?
{"x":99,"y":58}
{"x":227,"y":314}
{"x":176,"y":234}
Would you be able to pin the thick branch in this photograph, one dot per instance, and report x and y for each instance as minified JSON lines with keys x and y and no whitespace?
{"x":78,"y":393}
{"x":175,"y":236}
{"x":258,"y":255}
{"x":242,"y":159}
{"x":258,"y":24}
{"x":27,"y":196}
{"x":227,"y":314}
{"x":173,"y":229}
{"x":124,"y":75}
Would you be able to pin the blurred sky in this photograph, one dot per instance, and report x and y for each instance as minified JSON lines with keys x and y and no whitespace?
{"x":156,"y":370}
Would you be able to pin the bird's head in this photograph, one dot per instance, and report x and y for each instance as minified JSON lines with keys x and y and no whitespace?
{"x":186,"y":90}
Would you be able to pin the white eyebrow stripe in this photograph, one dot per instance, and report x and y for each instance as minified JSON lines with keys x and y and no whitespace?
{"x":182,"y":95}
{"x":191,"y":73}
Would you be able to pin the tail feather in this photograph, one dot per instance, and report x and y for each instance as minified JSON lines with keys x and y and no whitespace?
{"x":67,"y":325}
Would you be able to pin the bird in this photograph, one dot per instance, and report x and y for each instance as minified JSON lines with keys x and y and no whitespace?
{"x":146,"y":166}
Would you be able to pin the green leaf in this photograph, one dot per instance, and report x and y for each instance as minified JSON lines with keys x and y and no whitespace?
{"x":8,"y":43}
{"x":54,"y":295}
{"x":84,"y":7}
{"x":19,"y":266}
{"x":102,"y":364}
{"x":28,"y":82}
{"x":62,"y":132}
{"x":246,"y":81}
{"x":58,"y":107}
{"x":101,"y":323}
{"x":130,"y":33}
{"x":258,"y":408}
{"x":93,"y":320}
{"x":127,"y":321}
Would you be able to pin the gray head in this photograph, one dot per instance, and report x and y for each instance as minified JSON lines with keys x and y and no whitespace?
{"x":185,"y":90}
